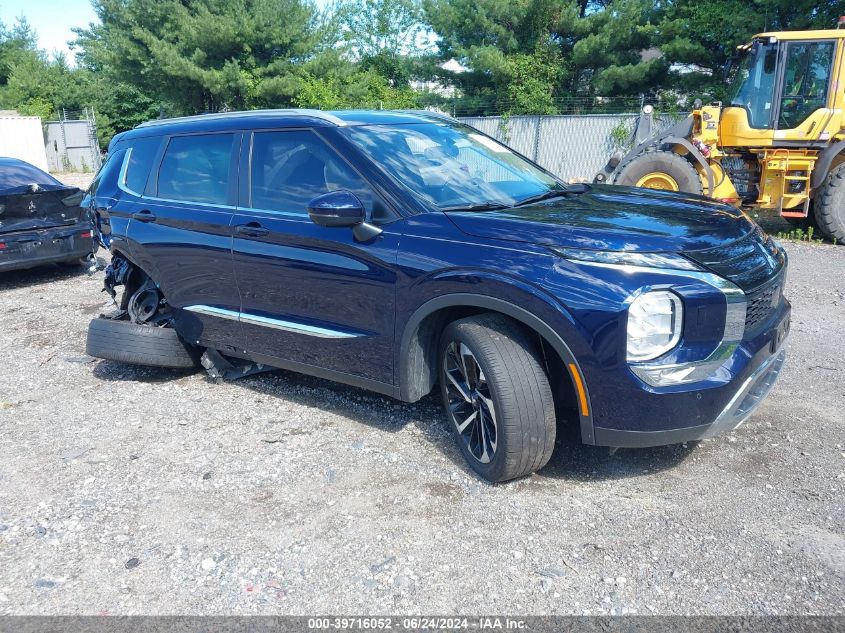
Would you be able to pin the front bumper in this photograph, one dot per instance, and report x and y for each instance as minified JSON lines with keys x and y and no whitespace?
{"x":27,"y":249}
{"x":740,"y":407}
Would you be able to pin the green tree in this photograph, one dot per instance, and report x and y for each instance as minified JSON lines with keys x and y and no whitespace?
{"x":513,"y":52}
{"x":17,"y":43}
{"x":698,"y":38}
{"x":204,"y":55}
{"x":385,"y":36}
{"x":615,"y":53}
{"x":39,"y":86}
{"x":360,"y":89}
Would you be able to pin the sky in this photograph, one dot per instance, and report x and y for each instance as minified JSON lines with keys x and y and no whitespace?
{"x":54,"y":19}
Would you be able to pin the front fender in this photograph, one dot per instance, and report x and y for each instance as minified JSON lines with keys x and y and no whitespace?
{"x":523,"y":302}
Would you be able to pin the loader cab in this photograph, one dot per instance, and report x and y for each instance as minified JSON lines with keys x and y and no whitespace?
{"x":784,"y":90}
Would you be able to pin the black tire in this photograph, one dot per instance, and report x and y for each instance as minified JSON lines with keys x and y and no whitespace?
{"x":830,"y":205}
{"x":669,"y":163}
{"x":523,"y":413}
{"x":128,"y":342}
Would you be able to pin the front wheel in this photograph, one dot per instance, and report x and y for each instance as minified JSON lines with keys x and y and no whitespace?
{"x":497,"y":397}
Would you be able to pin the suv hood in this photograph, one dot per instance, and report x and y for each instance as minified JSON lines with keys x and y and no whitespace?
{"x":613,"y":218}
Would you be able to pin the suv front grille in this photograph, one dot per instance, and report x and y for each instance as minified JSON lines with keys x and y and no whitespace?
{"x":750,"y":262}
{"x":761,"y":304}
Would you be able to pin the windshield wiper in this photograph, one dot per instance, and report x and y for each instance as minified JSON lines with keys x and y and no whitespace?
{"x":479,"y":206}
{"x":554,"y":193}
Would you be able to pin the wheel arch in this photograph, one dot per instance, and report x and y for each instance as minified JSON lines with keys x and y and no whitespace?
{"x":417,"y":370}
{"x":136,"y":256}
{"x":825,"y":162}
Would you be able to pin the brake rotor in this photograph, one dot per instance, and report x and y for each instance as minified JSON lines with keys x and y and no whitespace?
{"x":144,"y":303}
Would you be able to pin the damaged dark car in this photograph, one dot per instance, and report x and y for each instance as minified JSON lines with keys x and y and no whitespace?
{"x":41,"y":220}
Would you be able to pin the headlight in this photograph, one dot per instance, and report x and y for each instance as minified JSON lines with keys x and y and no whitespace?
{"x":655,"y":320}
{"x":623,"y":258}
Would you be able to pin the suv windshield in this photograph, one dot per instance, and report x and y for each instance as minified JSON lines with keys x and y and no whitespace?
{"x":754,"y":83}
{"x":453,"y":166}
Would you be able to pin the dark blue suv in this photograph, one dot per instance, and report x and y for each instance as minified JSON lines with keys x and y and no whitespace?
{"x":402,"y":251}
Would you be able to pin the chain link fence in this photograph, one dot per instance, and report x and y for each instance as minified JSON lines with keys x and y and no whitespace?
{"x":573,"y":147}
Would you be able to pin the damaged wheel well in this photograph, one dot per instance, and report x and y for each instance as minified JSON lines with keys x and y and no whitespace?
{"x":142,"y":301}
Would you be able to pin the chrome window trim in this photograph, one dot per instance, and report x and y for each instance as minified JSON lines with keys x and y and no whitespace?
{"x":225,"y":207}
{"x":121,"y":178}
{"x":288,"y":214}
{"x":278,"y":324}
{"x":121,"y":184}
{"x":734,"y":329}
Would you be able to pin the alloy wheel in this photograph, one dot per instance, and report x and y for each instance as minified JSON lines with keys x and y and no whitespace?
{"x":469,"y":402}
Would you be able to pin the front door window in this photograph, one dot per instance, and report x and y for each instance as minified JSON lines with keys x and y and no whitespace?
{"x":806,"y":81}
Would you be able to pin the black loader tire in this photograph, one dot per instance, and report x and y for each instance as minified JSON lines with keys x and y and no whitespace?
{"x":669,"y":163}
{"x":830,"y":205}
{"x":520,"y":391}
{"x":127,"y":342}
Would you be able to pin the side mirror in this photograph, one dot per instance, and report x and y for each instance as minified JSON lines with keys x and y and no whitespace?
{"x":336,"y":208}
{"x":342,"y":208}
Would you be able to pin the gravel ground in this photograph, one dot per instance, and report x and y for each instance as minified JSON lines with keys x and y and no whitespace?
{"x":126,"y":490}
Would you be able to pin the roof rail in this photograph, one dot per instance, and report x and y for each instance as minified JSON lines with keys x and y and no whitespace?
{"x":303,"y":112}
{"x":432,"y":113}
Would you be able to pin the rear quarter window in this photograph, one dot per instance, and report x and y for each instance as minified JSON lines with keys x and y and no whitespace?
{"x":196,"y":168}
{"x":141,"y":157}
{"x":105,"y":182}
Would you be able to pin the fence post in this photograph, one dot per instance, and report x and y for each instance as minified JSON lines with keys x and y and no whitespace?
{"x":65,"y":160}
{"x":537,"y":138}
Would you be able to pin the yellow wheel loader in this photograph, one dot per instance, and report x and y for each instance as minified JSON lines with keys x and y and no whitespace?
{"x":779,"y":144}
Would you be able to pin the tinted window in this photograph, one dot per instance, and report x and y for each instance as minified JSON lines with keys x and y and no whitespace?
{"x":289,"y":169}
{"x":106,"y":179}
{"x":140,"y":159}
{"x":196,"y":168}
{"x":805,"y":81}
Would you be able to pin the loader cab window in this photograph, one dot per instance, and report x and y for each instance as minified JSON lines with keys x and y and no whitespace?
{"x":754,"y":83}
{"x":805,"y":82}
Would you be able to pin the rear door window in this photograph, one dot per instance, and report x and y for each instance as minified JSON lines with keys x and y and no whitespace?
{"x":196,"y":168}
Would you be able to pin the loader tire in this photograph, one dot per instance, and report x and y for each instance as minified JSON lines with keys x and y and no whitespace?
{"x":830,"y":205}
{"x":128,"y":342}
{"x":660,"y":170}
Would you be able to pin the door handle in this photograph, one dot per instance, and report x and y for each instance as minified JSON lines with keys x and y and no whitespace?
{"x":252,"y":229}
{"x":144,"y":216}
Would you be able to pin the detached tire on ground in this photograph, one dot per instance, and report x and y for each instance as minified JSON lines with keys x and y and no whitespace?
{"x":666,"y":169}
{"x":830,"y":205}
{"x":128,"y":342}
{"x":497,"y":396}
